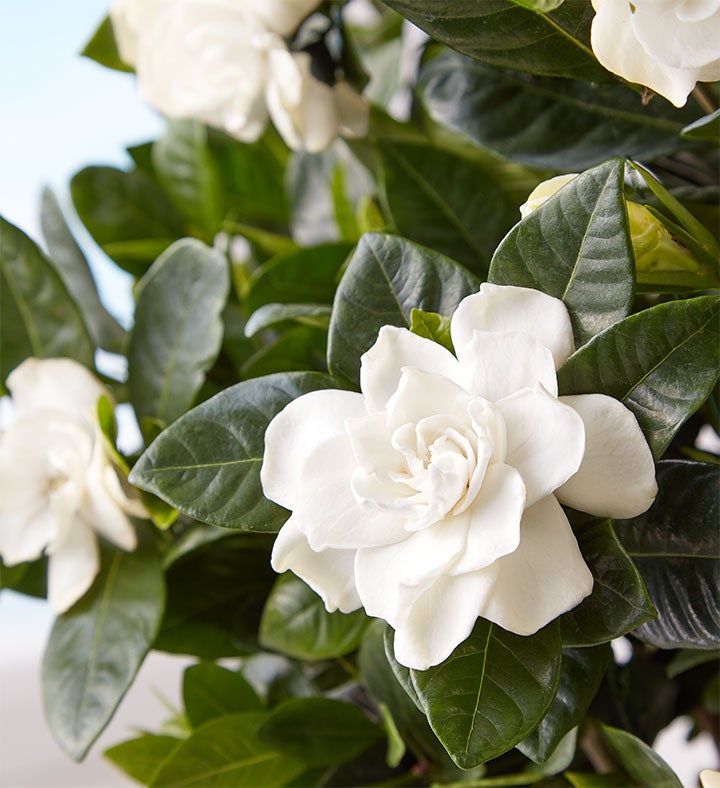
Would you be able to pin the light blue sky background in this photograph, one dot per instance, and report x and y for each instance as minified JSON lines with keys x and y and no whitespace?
{"x":60,"y":112}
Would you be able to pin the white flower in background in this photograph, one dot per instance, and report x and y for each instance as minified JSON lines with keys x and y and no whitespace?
{"x":58,"y":486}
{"x":666,"y":45}
{"x":543,"y":191}
{"x":224,"y":62}
{"x":433,"y":497}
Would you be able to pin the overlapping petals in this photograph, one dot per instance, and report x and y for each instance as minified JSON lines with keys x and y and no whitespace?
{"x":430,"y":498}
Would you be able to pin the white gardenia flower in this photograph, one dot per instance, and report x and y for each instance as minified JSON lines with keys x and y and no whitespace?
{"x":543,"y":191}
{"x":58,"y":486}
{"x":225,"y":63}
{"x":433,"y":497}
{"x":666,"y":45}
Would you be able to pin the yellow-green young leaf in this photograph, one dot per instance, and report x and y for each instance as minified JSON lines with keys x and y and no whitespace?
{"x":433,"y":326}
{"x":143,"y":757}
{"x":96,"y":648}
{"x":102,"y":48}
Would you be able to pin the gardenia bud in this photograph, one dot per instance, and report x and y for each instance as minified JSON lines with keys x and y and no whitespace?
{"x":666,"y":45}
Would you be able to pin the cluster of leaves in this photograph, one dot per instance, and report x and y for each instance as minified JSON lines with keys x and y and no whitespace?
{"x":263,"y":275}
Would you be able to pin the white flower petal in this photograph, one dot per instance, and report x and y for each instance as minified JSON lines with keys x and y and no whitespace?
{"x":280,"y":16}
{"x":326,"y":510}
{"x":500,"y":308}
{"x":72,"y":567}
{"x":57,"y":384}
{"x":395,"y":348}
{"x":296,"y":431}
{"x":545,"y":577}
{"x":494,"y":528}
{"x":617,"y":474}
{"x":438,"y":621}
{"x":545,"y":440}
{"x":328,"y":572}
{"x":543,"y":191}
{"x":497,"y":364}
{"x":421,"y":394}
{"x":353,"y":111}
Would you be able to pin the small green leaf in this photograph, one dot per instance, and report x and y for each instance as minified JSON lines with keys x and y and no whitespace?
{"x":102,"y":48}
{"x":539,"y":5}
{"x":344,"y":213}
{"x":226,"y":751}
{"x":177,"y":331}
{"x":676,"y":546}
{"x":576,"y":246}
{"x":637,"y":760}
{"x":491,"y":692}
{"x":644,"y":361}
{"x":319,"y":731}
{"x":70,"y":263}
{"x":687,"y":659}
{"x":210,"y":691}
{"x":581,"y":672}
{"x":37,"y":315}
{"x":295,"y":622}
{"x":385,"y":279}
{"x":189,"y":174}
{"x":96,"y":648}
{"x":143,"y":757}
{"x":278,"y":316}
{"x":28,"y":578}
{"x":619,"y":601}
{"x":707,"y":128}
{"x":433,"y":326}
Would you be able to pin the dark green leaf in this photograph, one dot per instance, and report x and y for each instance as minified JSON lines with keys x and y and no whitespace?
{"x":386,"y":278}
{"x":491,"y":692}
{"x":503,"y":34}
{"x":433,"y":326}
{"x":102,"y":48}
{"x":295,"y":622}
{"x":300,"y":348}
{"x":210,"y":691}
{"x":96,"y":648}
{"x":70,"y":263}
{"x":576,"y":247}
{"x":676,"y":545}
{"x":686,"y":659}
{"x":27,"y":578}
{"x":543,"y":121}
{"x":207,"y":464}
{"x":619,"y":601}
{"x":707,"y":128}
{"x":637,"y":760}
{"x":215,"y":596}
{"x":189,"y":174}
{"x":278,"y":316}
{"x":344,"y":213}
{"x":446,"y":202}
{"x":142,"y":758}
{"x":581,"y":672}
{"x":177,"y":331}
{"x":401,"y":673}
{"x":37,"y":315}
{"x":277,"y":678}
{"x":319,"y":731}
{"x":127,"y":214}
{"x":226,"y":751}
{"x":300,"y":276}
{"x":660,"y":363}
{"x":539,"y":5}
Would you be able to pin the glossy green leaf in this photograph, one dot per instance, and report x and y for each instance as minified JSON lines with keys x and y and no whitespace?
{"x":177,"y":331}
{"x":143,"y":757}
{"x":189,"y":174}
{"x":433,"y":326}
{"x":561,"y":124}
{"x":446,"y":202}
{"x":401,"y":673}
{"x":619,"y":601}
{"x":661,"y":363}
{"x":687,"y":659}
{"x":576,"y":246}
{"x":210,"y":691}
{"x":386,"y":278}
{"x":28,"y":578}
{"x":491,"y":692}
{"x":706,"y":128}
{"x":307,"y":276}
{"x":278,"y":316}
{"x":295,"y":622}
{"x":505,"y":34}
{"x":539,"y":5}
{"x":70,"y":263}
{"x":319,"y":731}
{"x":639,"y":761}
{"x":37,"y":315}
{"x":676,"y":546}
{"x":96,"y":648}
{"x":226,"y":751}
{"x":215,"y":595}
{"x":299,"y":348}
{"x":207,"y":464}
{"x":127,"y":214}
{"x":581,"y":672}
{"x":102,"y":48}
